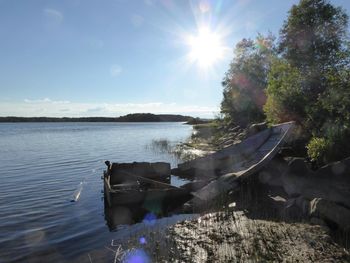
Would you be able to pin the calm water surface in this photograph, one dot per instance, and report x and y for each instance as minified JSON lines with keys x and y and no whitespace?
{"x":42,"y":165}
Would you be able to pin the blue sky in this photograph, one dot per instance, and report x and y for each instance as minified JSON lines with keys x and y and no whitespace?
{"x":112,"y":57}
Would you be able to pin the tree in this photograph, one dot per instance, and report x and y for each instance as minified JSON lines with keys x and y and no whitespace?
{"x":333,"y":110}
{"x":285,"y":98}
{"x":313,"y":39}
{"x":313,"y":42}
{"x":246,"y":80}
{"x":309,"y":82}
{"x":313,"y":35}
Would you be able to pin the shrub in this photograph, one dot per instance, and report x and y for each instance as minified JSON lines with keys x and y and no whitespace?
{"x":316,"y":149}
{"x":332,"y":147}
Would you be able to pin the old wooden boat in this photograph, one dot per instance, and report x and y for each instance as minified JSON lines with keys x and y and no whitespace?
{"x":238,"y":161}
{"x":123,"y":185}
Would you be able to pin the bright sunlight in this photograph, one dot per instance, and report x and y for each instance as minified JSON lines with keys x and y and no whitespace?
{"x":205,"y":48}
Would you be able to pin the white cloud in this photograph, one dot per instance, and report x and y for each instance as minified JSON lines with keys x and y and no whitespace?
{"x":37,"y":101}
{"x":52,"y":108}
{"x":137,"y":20}
{"x":47,"y":100}
{"x":53,"y":17}
{"x":115,"y":70}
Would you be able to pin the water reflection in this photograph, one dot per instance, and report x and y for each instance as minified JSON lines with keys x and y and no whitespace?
{"x":148,"y":213}
{"x":122,"y":215}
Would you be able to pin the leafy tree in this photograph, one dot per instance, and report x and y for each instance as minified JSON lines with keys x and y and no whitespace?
{"x":285,"y":100}
{"x":313,"y":36}
{"x":306,"y":79}
{"x":333,"y":108}
{"x":314,"y":46}
{"x":245,"y":81}
{"x":314,"y":39}
{"x":309,"y":83}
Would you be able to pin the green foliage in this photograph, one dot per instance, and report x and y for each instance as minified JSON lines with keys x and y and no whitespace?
{"x":335,"y":101}
{"x":285,"y":98}
{"x":331,"y":118}
{"x":316,"y":149}
{"x":310,"y":82}
{"x":246,"y":80}
{"x":331,"y":147}
{"x":314,"y":40}
{"x":313,"y":36}
{"x":305,"y":79}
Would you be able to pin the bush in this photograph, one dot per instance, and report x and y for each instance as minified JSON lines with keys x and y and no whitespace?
{"x":316,"y":149}
{"x":332,"y":147}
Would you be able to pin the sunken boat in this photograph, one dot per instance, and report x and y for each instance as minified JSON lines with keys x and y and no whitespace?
{"x":213,"y":175}
{"x":143,"y":184}
{"x":225,"y":169}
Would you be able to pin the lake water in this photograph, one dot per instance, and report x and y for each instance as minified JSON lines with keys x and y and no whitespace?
{"x":42,"y":165}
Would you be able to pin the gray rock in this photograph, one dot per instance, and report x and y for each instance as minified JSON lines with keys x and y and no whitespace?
{"x":331,"y":182}
{"x":271,"y":174}
{"x":303,"y":203}
{"x":234,"y":129}
{"x":241,"y":135}
{"x":331,"y":212}
{"x":298,"y":167}
{"x":255,"y":128}
{"x":296,"y":208}
{"x":318,"y":221}
{"x":233,"y":237}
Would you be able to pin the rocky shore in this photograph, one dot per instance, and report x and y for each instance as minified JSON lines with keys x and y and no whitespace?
{"x":233,"y":237}
{"x":286,"y":212}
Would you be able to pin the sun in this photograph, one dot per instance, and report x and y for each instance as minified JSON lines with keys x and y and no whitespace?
{"x":205,"y":48}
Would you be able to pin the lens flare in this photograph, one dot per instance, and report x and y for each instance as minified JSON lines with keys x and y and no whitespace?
{"x":205,"y":48}
{"x":142,"y":240}
{"x":150,"y":219}
{"x":137,"y":256}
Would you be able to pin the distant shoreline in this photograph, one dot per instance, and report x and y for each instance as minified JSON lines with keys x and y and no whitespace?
{"x":137,"y":117}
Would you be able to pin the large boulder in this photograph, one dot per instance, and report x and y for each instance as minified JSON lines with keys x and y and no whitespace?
{"x":331,"y":182}
{"x":331,"y":213}
{"x":297,"y":208}
{"x":272,"y":173}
